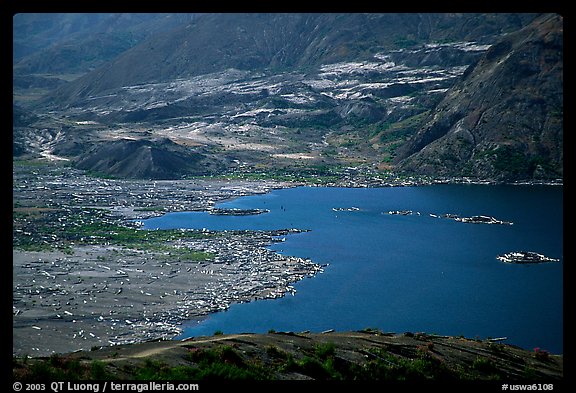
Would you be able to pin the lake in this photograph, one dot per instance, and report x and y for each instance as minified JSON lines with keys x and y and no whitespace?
{"x":405,"y":273}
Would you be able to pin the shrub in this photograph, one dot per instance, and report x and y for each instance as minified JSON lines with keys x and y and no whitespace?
{"x":98,"y":371}
{"x":222,"y":363}
{"x":275,"y":352}
{"x":323,"y":351}
{"x":313,"y":368}
{"x":496,"y":347}
{"x":541,"y":354}
{"x":486,"y":366}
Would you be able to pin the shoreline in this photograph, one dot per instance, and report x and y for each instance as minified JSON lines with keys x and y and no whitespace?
{"x":139,"y":296}
{"x":98,"y":294}
{"x":85,"y":293}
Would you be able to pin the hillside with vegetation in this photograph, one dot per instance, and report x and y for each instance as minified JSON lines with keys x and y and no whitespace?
{"x":362,"y":356}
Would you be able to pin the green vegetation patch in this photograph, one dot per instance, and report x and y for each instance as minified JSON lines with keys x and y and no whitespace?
{"x":388,"y":132}
{"x":514,"y":162}
{"x":239,"y":359}
{"x":384,"y":365}
{"x":313,"y":174}
{"x":59,"y":368}
{"x":43,"y":229}
{"x":223,"y":362}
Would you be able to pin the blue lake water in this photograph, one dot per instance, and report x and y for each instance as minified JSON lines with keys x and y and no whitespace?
{"x":401,"y":273}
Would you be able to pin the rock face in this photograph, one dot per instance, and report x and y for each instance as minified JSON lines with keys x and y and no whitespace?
{"x":504,"y":120}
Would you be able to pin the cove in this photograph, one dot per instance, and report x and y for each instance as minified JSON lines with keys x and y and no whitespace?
{"x":399,"y":273}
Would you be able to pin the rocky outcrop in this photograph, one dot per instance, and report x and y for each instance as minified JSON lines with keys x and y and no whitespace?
{"x":504,"y":120}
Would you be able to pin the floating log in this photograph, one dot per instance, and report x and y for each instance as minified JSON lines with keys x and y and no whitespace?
{"x":525,"y":257}
{"x":237,"y":212}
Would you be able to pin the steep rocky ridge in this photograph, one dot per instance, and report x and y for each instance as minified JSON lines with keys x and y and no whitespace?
{"x":504,"y":120}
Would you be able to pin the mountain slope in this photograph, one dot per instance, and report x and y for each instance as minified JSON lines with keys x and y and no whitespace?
{"x":70,"y":43}
{"x":504,"y":120}
{"x":436,"y":94}
{"x":276,"y":42}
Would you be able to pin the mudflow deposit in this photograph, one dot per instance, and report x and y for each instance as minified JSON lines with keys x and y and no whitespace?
{"x":100,"y":280}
